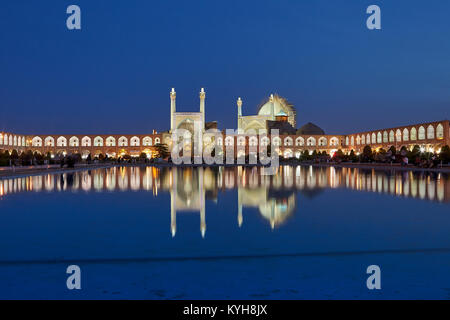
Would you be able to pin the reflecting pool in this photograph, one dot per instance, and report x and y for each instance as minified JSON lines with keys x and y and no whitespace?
{"x":220,"y":233}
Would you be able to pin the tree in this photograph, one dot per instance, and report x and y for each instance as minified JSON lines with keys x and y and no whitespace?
{"x":393,"y":150}
{"x":162,"y":150}
{"x":14,"y":156}
{"x":38,"y":158}
{"x":143,"y":156}
{"x":352,"y":156}
{"x":413,"y":154}
{"x":70,"y":161}
{"x":339,"y":156}
{"x":367,"y":154}
{"x":4,"y":158}
{"x":445,"y":154}
{"x":26,"y":158}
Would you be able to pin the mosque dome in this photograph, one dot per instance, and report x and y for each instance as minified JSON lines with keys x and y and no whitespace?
{"x":281,"y":107}
{"x":310,"y":129}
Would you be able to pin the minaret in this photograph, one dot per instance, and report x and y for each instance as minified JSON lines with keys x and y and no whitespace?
{"x":202,"y":105}
{"x":239,"y":105}
{"x":173,"y":96}
{"x":272,"y":107}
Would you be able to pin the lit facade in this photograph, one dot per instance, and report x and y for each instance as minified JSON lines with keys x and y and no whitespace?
{"x":276,"y":110}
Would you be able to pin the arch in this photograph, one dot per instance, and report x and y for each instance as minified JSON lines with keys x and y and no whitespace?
{"x":398,"y":135}
{"x":352,"y":141}
{"x":405,"y":134}
{"x":264,"y":141}
{"x":10,"y":140}
{"x":147,"y":141}
{"x":358,"y":140}
{"x":385,"y":137}
{"x":157,"y":140}
{"x":439,"y":131}
{"x":276,"y":141}
{"x":311,"y":141}
{"x":346,"y":141}
{"x":379,"y":137}
{"x":61,"y":142}
{"x":74,"y":142}
{"x":19,"y":141}
{"x":430,"y":132}
{"x":323,"y":142}
{"x":253,"y":141}
{"x":391,"y":136}
{"x":36,"y":142}
{"x":15,"y":140}
{"x":374,"y":138}
{"x":334,"y":142}
{"x":421,"y":133}
{"x":229,"y":141}
{"x":299,"y":141}
{"x":23,"y":141}
{"x":86,"y":141}
{"x":5,"y":140}
{"x":49,"y":142}
{"x":134,"y":141}
{"x":98,"y":141}
{"x":413,"y":134}
{"x":288,"y":141}
{"x":123,"y":142}
{"x":110,"y":141}
{"x":241,"y":141}
{"x":363,"y":139}
{"x":219,"y":141}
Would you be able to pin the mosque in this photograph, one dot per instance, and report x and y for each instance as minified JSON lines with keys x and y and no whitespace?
{"x":276,"y":112}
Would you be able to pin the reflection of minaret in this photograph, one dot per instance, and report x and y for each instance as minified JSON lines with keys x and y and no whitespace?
{"x":202,"y":203}
{"x":240,"y":218}
{"x":173,"y":212}
{"x":190,"y":199}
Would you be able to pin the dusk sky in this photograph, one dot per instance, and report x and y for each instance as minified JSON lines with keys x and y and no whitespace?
{"x":114,"y":75}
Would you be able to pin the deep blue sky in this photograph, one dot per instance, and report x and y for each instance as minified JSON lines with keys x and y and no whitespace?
{"x":114,"y":75}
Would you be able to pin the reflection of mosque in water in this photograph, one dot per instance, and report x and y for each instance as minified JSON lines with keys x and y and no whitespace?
{"x":275,"y":196}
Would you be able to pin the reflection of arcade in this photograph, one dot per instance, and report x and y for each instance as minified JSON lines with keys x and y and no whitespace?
{"x":274,"y":196}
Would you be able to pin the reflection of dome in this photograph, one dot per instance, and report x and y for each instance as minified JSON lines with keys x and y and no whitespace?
{"x":277,"y":210}
{"x":310,"y":129}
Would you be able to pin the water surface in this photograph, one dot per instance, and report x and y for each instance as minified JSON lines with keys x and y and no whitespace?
{"x":218,"y":233}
